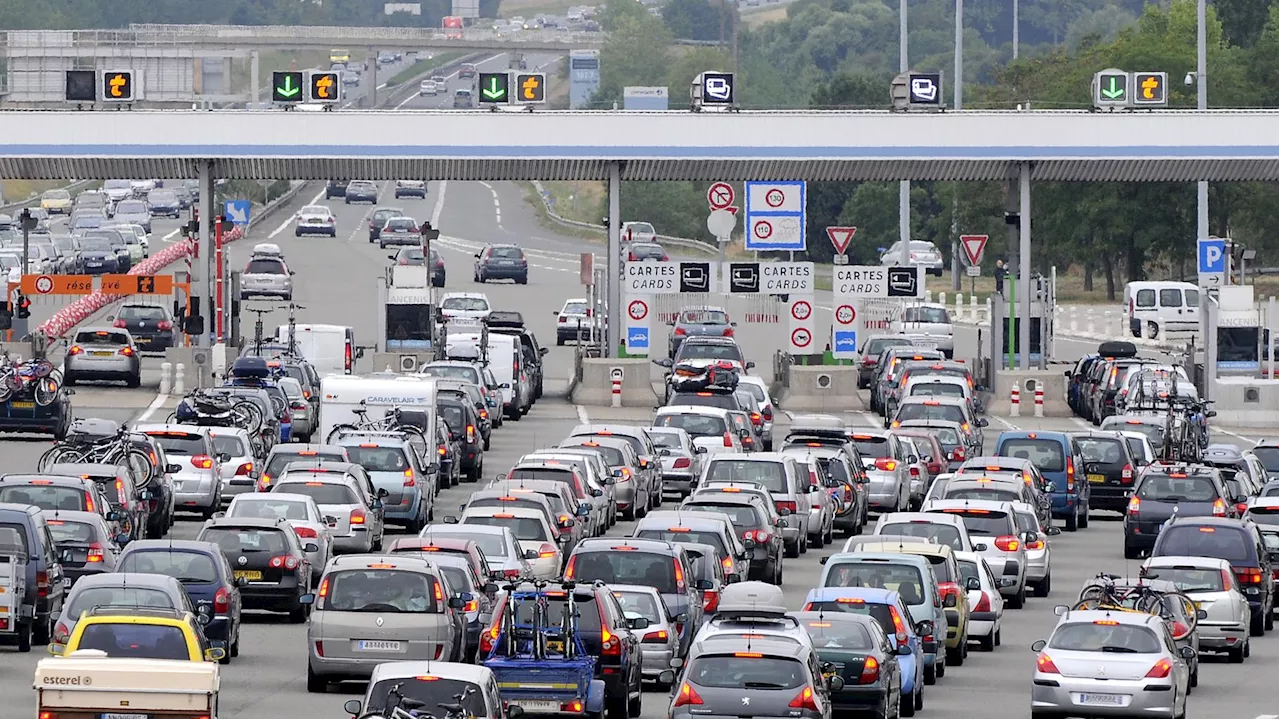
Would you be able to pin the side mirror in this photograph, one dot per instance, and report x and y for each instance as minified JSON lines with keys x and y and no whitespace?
{"x":972,"y":584}
{"x":617,"y":472}
{"x":514,"y":711}
{"x":981,"y":422}
{"x":1052,"y":531}
{"x":924,"y":628}
{"x":664,"y":362}
{"x":1211,"y":413}
{"x":750,"y":365}
{"x":598,"y":492}
{"x":352,"y":707}
{"x":1201,"y":614}
{"x":904,"y":650}
{"x":912,"y":459}
{"x":56,"y":649}
{"x":1060,"y":609}
{"x":950,"y":601}
{"x":311,"y":547}
{"x":584,"y":509}
{"x":490,"y":588}
{"x":566,"y":523}
{"x":979,"y":546}
{"x":1039,"y":644}
{"x":676,"y":663}
{"x":307,"y":599}
{"x":813,"y":488}
{"x":172,"y":468}
{"x":637,"y":623}
{"x":383,"y":493}
{"x":835,"y":683}
{"x":704,"y":584}
{"x":751,"y":544}
{"x":784,"y":512}
{"x":113,"y":516}
{"x":666,"y":676}
{"x":456,"y":603}
{"x":734,"y":577}
{"x":451,"y":519}
{"x":700,"y":450}
{"x":215,"y":654}
{"x":123,"y":539}
{"x":1188,"y":653}
{"x":224,"y":457}
{"x":530,"y":554}
{"x":331,"y":520}
{"x":664,"y":453}
{"x":1029,"y":537}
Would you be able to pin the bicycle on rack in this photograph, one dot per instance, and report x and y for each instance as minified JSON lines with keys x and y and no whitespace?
{"x":117,"y":449}
{"x":400,"y":706}
{"x":38,"y":376}
{"x":390,"y":422}
{"x":212,"y":409}
{"x":1104,"y":593}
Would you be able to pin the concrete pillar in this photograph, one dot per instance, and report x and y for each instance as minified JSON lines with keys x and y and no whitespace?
{"x":255,"y":92}
{"x":612,"y":280}
{"x":1024,"y":264}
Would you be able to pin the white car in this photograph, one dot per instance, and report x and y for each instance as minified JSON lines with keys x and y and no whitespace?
{"x":302,"y":513}
{"x":537,"y":538}
{"x":465,"y":305}
{"x":638,"y":232}
{"x":920,"y":254}
{"x":235,"y":457}
{"x":428,"y":87}
{"x":710,"y":427}
{"x":986,"y":606}
{"x":140,"y":188}
{"x":315,"y":220}
{"x":359,"y":528}
{"x":929,"y":321}
{"x":573,"y":320}
{"x":197,"y":485}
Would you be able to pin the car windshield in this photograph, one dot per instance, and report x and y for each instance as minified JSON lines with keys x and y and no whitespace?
{"x":1105,"y":636}
{"x":933,"y":531}
{"x":380,"y":590}
{"x":280,"y":460}
{"x":95,"y":244}
{"x":1270,"y":457}
{"x":641,"y":603}
{"x":526,"y":529}
{"x":574,"y":308}
{"x":704,"y":317}
{"x":65,"y":532}
{"x":466,"y":304}
{"x":469,"y":374}
{"x":1101,"y":450}
{"x":742,"y":516}
{"x":379,"y":459}
{"x":89,"y":221}
{"x":265,"y":267}
{"x":1046,"y":454}
{"x":117,"y":185}
{"x":1191,"y":579}
{"x":902,"y":578}
{"x":493,"y":545}
{"x":161,"y":197}
{"x":753,"y":672}
{"x":710,"y":350}
{"x":268,"y":508}
{"x":138,"y":641}
{"x":925,"y":410}
{"x":931,"y":315}
{"x":119,"y":596}
{"x":1163,"y":488}
{"x":181,"y":443}
{"x":431,"y":691}
{"x":322,"y":493}
{"x":47,"y":496}
{"x":771,"y":476}
{"x":186,"y":567}
{"x":624,"y":565}
{"x":697,"y":425}
{"x":647,"y":250}
{"x":1202,"y":541}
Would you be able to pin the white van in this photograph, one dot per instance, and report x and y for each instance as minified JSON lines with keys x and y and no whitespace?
{"x":89,"y":683}
{"x":1156,"y":308}
{"x":330,"y":348}
{"x":342,"y":396}
{"x":506,"y":362}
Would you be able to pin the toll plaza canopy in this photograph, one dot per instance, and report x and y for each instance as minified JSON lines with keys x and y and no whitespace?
{"x":1166,"y":145}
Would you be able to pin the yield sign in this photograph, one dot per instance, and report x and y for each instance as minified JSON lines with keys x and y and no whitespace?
{"x":973,"y":245}
{"x":841,"y":237}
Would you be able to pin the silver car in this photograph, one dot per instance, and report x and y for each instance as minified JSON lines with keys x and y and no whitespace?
{"x":266,"y":276}
{"x":822,"y":504}
{"x":888,"y":479}
{"x":501,"y":549}
{"x":759,"y":390}
{"x":302,"y":513}
{"x":373,"y":608}
{"x":699,"y":321}
{"x":339,"y":495}
{"x":134,"y":212}
{"x":197,"y":485}
{"x":780,"y":475}
{"x":681,"y":461}
{"x":597,"y":475}
{"x":632,"y":495}
{"x":235,"y":457}
{"x":1209,"y":582}
{"x":315,"y":220}
{"x":116,"y":190}
{"x":993,"y":528}
{"x":660,"y":641}
{"x":931,"y":323}
{"x":1107,"y":663}
{"x":304,"y":420}
{"x":920,"y":253}
{"x":103,"y":353}
{"x":1039,"y":550}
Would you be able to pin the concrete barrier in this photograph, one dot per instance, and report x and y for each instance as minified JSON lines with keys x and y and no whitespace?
{"x":1246,"y":402}
{"x":596,"y":386}
{"x":1050,"y":381}
{"x":822,"y":389}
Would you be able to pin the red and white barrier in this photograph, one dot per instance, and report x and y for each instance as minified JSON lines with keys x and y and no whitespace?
{"x":1014,"y":401}
{"x":82,"y":309}
{"x":1039,"y":400}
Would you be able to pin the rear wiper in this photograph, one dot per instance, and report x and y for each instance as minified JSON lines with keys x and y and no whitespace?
{"x":762,"y":685}
{"x":1119,"y":650}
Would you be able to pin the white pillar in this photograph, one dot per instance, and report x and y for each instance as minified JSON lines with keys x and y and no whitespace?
{"x":166,"y":377}
{"x":179,"y":379}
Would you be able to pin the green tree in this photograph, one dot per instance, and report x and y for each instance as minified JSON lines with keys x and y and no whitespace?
{"x":695,"y":19}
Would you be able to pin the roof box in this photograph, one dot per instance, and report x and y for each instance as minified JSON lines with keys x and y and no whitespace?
{"x":1118,"y":349}
{"x":751,"y":599}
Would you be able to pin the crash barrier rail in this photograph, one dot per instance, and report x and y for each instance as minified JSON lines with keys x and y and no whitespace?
{"x":549,"y":206}
{"x":151,"y":33}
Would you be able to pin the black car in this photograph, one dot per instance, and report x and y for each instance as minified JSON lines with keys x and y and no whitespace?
{"x":164,"y":203}
{"x":185,"y":197}
{"x":1168,"y":491}
{"x":150,"y":325}
{"x":464,"y":426}
{"x":449,"y":447}
{"x":761,"y":532}
{"x":361,"y":191}
{"x":1239,"y":542}
{"x":501,"y":262}
{"x":1109,"y":467}
{"x":379,"y":218}
{"x":414,"y":256}
{"x":335,"y":188}
{"x":270,"y":557}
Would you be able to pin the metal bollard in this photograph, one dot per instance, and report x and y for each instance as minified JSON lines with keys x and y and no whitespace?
{"x":1090,"y":328}
{"x":166,"y":377}
{"x":959,"y":305}
{"x":616,"y":397}
{"x":179,"y":379}
{"x":1014,"y":401}
{"x":1039,"y":400}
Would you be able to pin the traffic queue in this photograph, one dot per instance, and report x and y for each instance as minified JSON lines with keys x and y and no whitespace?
{"x":471,"y":608}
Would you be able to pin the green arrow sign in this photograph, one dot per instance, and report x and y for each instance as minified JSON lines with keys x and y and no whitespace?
{"x":1114,"y":88}
{"x":493,"y":87}
{"x":289,"y":90}
{"x":286,"y":86}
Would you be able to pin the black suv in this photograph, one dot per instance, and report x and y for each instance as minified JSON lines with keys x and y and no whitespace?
{"x":1166,"y":491}
{"x":1109,"y":467}
{"x":464,"y":426}
{"x":335,"y":188}
{"x":270,"y":557}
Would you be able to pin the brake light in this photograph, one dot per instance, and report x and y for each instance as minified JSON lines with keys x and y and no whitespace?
{"x":570,"y":567}
{"x":804,"y":700}
{"x":490,"y":635}
{"x":984,"y":603}
{"x":658,"y":637}
{"x":728,"y":439}
{"x":222,"y":598}
{"x":870,"y":671}
{"x":1241,"y":508}
{"x":610,"y":644}
{"x":1045,"y":665}
{"x":95,"y":553}
{"x":1035,"y":544}
{"x":727,"y":563}
{"x":1071,"y":474}
{"x":202,"y":461}
{"x":547,"y":551}
{"x":1134,"y":506}
{"x":306,"y":532}
{"x":61,"y":633}
{"x":1007,"y":543}
{"x":680,"y":333}
{"x":789,"y":506}
{"x":682,"y":463}
{"x":757,"y":418}
{"x":119,"y":323}
{"x":679,"y":576}
{"x":957,"y":454}
{"x":728,"y":331}
{"x":126,"y":351}
{"x":75,"y":350}
{"x":347,"y":356}
{"x":1160,"y":670}
{"x":1179,"y":630}
{"x":915,"y":471}
{"x":710,"y":600}
{"x":899,"y":627}
{"x":884,"y":464}
{"x":357,"y":516}
{"x":409,"y":480}
{"x":284,"y":562}
{"x":949,"y":588}
{"x":686,"y":696}
{"x":244,"y":469}
{"x":1249,"y":575}
{"x":1219,"y":507}
{"x":1126,"y":474}
{"x":88,"y":503}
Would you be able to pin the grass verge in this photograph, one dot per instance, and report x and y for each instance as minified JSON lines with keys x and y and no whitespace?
{"x":21,"y":190}
{"x":532,"y":199}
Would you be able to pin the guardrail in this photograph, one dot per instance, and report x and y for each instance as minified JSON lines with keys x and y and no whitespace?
{"x":681,"y":242}
{"x":146,"y":33}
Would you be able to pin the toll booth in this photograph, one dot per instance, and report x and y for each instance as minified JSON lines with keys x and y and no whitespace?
{"x":1006,"y":326}
{"x":406,"y":324}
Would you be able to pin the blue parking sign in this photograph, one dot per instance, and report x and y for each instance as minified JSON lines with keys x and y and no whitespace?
{"x":844,"y":344}
{"x":638,"y":340}
{"x":1211,"y":256}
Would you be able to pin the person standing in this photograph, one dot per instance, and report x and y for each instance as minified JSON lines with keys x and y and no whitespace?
{"x":1001,"y":273}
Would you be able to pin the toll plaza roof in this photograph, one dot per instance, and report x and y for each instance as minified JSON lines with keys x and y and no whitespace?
{"x":1167,"y":145}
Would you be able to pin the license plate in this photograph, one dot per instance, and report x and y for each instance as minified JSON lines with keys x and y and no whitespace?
{"x":66,"y":582}
{"x":22,"y":405}
{"x":537,"y":707}
{"x":555,"y":645}
{"x":103,"y":354}
{"x":1097,"y":478}
{"x":126,"y":716}
{"x":250,"y":575}
{"x":1114,"y":700}
{"x":367,"y":645}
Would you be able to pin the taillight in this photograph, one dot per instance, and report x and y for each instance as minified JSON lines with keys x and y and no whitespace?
{"x":1035,"y":544}
{"x":222,"y":601}
{"x":324,"y":588}
{"x":126,"y":351}
{"x":884,"y":464}
{"x":284,"y":562}
{"x":757,"y":419}
{"x":1134,"y":506}
{"x":768,"y":413}
{"x":710,"y":600}
{"x":915,"y":471}
{"x":409,"y":480}
{"x":119,"y":323}
{"x":899,"y":627}
{"x":347,"y":356}
{"x":1160,"y":670}
{"x":264,"y":482}
{"x":789,"y":506}
{"x":546,"y":551}
{"x":471,"y":606}
{"x":1219,"y":508}
{"x":680,"y":333}
{"x":306,"y":532}
{"x":1126,"y":474}
{"x":202,"y":461}
{"x":631,"y":257}
{"x":61,"y":634}
{"x":682,"y":463}
{"x":570,"y":567}
{"x":957,"y":454}
{"x":1071,"y":474}
{"x":610,"y":644}
{"x":728,"y":331}
{"x":679,"y":570}
{"x":490,"y":635}
{"x":357,"y":516}
{"x":1045,"y":665}
{"x":870,"y":671}
{"x":42,"y":584}
{"x":1241,"y":508}
{"x":984,"y":603}
{"x":728,"y":440}
{"x":804,"y":700}
{"x":686,"y":695}
{"x":1249,"y":575}
{"x":96,"y":554}
{"x":75,"y":350}
{"x":658,"y":637}
{"x":244,"y":469}
{"x":1179,"y":630}
{"x":471,"y":434}
{"x":727,"y":563}
{"x":1007,"y":543}
{"x":165,"y":325}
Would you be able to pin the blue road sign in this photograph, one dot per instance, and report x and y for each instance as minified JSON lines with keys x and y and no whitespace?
{"x":844,"y":344}
{"x":637,"y":338}
{"x":1211,"y":256}
{"x":775,"y":217}
{"x":237,"y":211}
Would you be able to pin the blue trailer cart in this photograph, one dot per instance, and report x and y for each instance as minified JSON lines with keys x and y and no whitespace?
{"x":542,"y":666}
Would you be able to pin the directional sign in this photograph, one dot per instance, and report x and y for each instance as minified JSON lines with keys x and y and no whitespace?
{"x":851,"y":281}
{"x":717,"y":88}
{"x":974,"y":246}
{"x":324,"y":87}
{"x":494,"y":87}
{"x":287,"y":87}
{"x":137,"y":284}
{"x":801,"y":322}
{"x":637,"y":340}
{"x":82,"y":86}
{"x":906,"y":282}
{"x":925,"y":88}
{"x":775,"y":218}
{"x":237,"y":211}
{"x":720,"y":196}
{"x":650,"y":278}
{"x":1211,"y":256}
{"x":637,"y":310}
{"x":1111,"y":88}
{"x":841,"y":237}
{"x":57,"y":284}
{"x":531,"y":88}
{"x":844,"y":332}
{"x":744,"y":277}
{"x":117,"y":86}
{"x":695,"y":277}
{"x":1149,"y":89}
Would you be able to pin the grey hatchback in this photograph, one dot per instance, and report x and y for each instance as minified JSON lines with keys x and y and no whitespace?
{"x":752,"y":678}
{"x":699,"y":322}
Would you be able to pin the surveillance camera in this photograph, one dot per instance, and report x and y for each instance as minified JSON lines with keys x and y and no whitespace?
{"x":1190,"y":79}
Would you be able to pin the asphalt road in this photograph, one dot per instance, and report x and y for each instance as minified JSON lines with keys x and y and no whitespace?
{"x":336,"y":283}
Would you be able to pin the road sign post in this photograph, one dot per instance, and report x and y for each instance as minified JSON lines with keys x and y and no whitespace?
{"x":844,"y":331}
{"x":637,"y":338}
{"x":801,"y":326}
{"x":775,"y":216}
{"x":1211,"y":261}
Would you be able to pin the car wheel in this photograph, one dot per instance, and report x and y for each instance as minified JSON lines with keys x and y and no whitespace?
{"x":297,"y":233}
{"x":41,"y":633}
{"x":24,"y":637}
{"x":134,"y":381}
{"x":793,"y":549}
{"x":1042,"y":587}
{"x":1072,"y":522}
{"x":316,"y":684}
{"x":1084,"y":517}
{"x":931,"y":674}
{"x":955,"y":657}
{"x":1018,"y":600}
{"x":907,"y":707}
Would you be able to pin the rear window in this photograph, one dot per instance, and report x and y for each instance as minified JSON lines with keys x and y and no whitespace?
{"x":246,"y":539}
{"x":1137,"y":447}
{"x":1046,"y":454}
{"x":44,"y":496}
{"x":665,"y":440}
{"x":139,"y":641}
{"x":1101,"y":451}
{"x":984,"y":493}
{"x":1264,"y":515}
{"x":1270,"y":457}
{"x":741,"y":516}
{"x":984,"y":522}
{"x":555,"y":475}
{"x":1163,"y":488}
{"x":749,"y":671}
{"x":265,"y":267}
{"x":379,"y":459}
{"x":71,"y":532}
{"x":470,"y":374}
{"x":1190,"y":579}
{"x":142,"y":312}
{"x":322,"y":492}
{"x":697,"y":425}
{"x":839,"y":635}
{"x":280,"y":460}
{"x":186,"y":567}
{"x":431,"y":691}
{"x":685,"y":537}
{"x":188,"y":445}
{"x":920,"y":410}
{"x":118,"y":339}
{"x":454,"y":415}
{"x":526,"y":529}
{"x":491,"y":545}
{"x":704,"y":317}
{"x":704,"y":399}
{"x":871,"y":447}
{"x":939,"y":533}
{"x":901,"y":578}
{"x":771,"y":476}
{"x":588,"y":613}
{"x":1201,"y":541}
{"x":709,"y":350}
{"x":627,"y":567}
{"x":1101,"y":636}
{"x":641,"y":603}
{"x":931,"y":315}
{"x":1145,"y":298}
{"x":508,"y":253}
{"x":268,"y":508}
{"x":878,"y":612}
{"x":223,"y":444}
{"x":381,"y":590}
{"x":121,"y":596}
{"x":937,"y":389}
